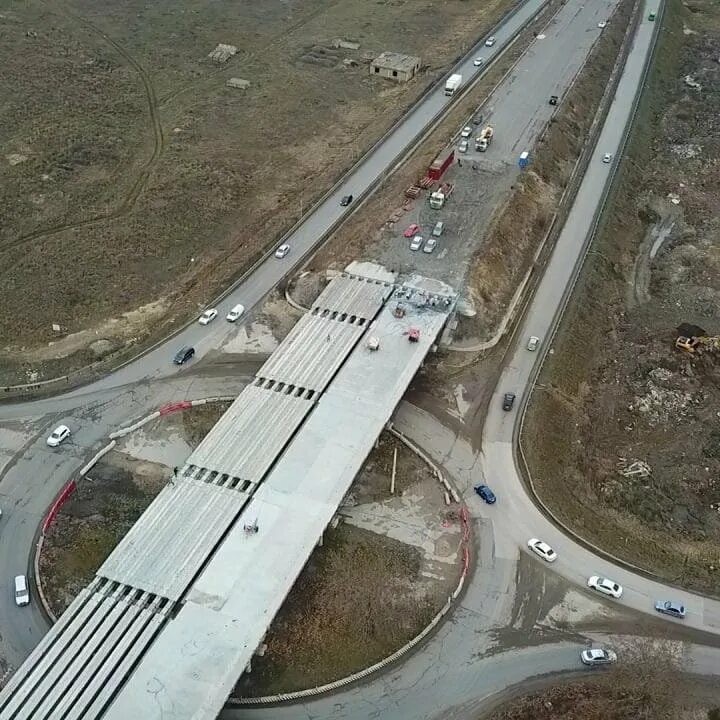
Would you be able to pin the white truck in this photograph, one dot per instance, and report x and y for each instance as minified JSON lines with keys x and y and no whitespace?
{"x":452,"y":84}
{"x":484,"y":139}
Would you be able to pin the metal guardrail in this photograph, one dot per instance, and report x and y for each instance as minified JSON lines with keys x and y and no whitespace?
{"x":96,"y":370}
{"x":518,"y":452}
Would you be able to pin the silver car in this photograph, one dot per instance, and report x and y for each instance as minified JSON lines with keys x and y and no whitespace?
{"x":430,"y":245}
{"x":597,"y":657}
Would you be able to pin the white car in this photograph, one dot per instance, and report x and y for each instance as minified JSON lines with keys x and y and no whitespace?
{"x":490,"y":41}
{"x":282,"y":251}
{"x":602,"y":24}
{"x":208,"y":316}
{"x":607,"y":157}
{"x":477,"y":62}
{"x":598,"y":656}
{"x":542,"y":549}
{"x":463,"y":146}
{"x":533,"y":343}
{"x":22,"y":594}
{"x":605,"y":586}
{"x":235,"y":313}
{"x":60,"y":433}
{"x":416,"y":242}
{"x":466,"y":132}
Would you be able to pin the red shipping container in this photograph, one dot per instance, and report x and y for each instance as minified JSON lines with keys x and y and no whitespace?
{"x":441,"y":163}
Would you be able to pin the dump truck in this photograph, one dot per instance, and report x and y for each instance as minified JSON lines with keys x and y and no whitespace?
{"x":438,"y":198}
{"x":482,"y":141}
{"x":452,"y":84}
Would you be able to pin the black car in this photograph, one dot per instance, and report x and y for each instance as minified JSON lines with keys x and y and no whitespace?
{"x":486,"y":494}
{"x":183,"y":355}
{"x":347,"y":199}
{"x":477,"y":120}
{"x":508,"y":401}
{"x":554,"y":99}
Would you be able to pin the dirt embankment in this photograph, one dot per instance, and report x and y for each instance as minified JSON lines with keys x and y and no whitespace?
{"x":522,"y":222}
{"x":622,"y":432}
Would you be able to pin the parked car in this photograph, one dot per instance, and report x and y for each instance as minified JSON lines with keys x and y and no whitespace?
{"x":554,"y":99}
{"x":478,"y":119}
{"x":508,"y":401}
{"x":346,"y":200}
{"x":602,"y":24}
{"x":411,"y":230}
{"x":478,"y":61}
{"x":58,"y":435}
{"x":486,"y":494}
{"x":466,"y":132}
{"x":668,"y":607}
{"x":208,"y":316}
{"x":605,"y":586}
{"x":282,"y":251}
{"x":430,"y":244}
{"x":598,"y":656}
{"x":416,"y":242}
{"x":235,"y":313}
{"x":533,"y":343}
{"x":542,"y":549}
{"x":439,"y":228}
{"x":463,"y":146}
{"x":22,"y":594}
{"x":607,"y":157}
{"x":490,"y":41}
{"x":183,"y":355}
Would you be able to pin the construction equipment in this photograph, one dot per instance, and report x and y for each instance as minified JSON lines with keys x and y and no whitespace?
{"x":438,"y":198}
{"x":693,"y":339}
{"x":483,"y":140}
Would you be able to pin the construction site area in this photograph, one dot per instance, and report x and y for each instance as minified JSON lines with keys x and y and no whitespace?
{"x":622,"y":434}
{"x":188,"y":149}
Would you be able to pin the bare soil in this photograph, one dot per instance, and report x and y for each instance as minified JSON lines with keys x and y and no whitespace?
{"x":616,"y":391}
{"x":362,"y":594}
{"x":602,"y":699}
{"x":156,"y":184}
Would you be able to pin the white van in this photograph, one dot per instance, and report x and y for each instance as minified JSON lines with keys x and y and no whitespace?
{"x":235,"y":313}
{"x":22,"y":594}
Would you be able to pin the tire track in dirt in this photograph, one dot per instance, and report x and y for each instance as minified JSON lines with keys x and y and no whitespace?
{"x":144,"y":174}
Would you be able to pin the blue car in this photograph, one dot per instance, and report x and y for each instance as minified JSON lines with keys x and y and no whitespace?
{"x":668,"y":607}
{"x":486,"y":494}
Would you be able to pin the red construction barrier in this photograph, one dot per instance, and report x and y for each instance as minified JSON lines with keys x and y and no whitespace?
{"x":175,"y":407}
{"x":61,"y":499}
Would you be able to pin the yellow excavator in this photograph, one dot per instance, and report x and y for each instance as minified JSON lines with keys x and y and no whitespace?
{"x":692,"y":339}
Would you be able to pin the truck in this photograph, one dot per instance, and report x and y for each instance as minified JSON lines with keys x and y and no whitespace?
{"x":441,"y":163}
{"x":453,"y":83}
{"x":483,"y":140}
{"x":438,"y":198}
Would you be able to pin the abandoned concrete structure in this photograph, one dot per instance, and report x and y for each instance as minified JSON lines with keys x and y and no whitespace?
{"x":395,"y":66}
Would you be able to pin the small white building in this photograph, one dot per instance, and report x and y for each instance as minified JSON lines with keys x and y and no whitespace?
{"x":395,"y":66}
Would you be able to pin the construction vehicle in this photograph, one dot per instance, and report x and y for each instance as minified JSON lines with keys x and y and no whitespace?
{"x":483,"y":140}
{"x":693,"y":339}
{"x":438,"y":198}
{"x":452,"y":84}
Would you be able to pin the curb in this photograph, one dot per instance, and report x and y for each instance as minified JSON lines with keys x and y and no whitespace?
{"x":75,"y":379}
{"x":518,"y":451}
{"x":329,"y":687}
{"x":69,"y":488}
{"x":568,"y":194}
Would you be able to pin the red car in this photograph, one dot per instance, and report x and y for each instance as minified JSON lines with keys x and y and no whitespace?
{"x":412,"y":230}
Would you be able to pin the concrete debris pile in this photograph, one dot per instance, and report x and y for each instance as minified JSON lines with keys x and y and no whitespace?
{"x":222,"y":53}
{"x":321,"y":55}
{"x":660,"y":405}
{"x":633,"y":468}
